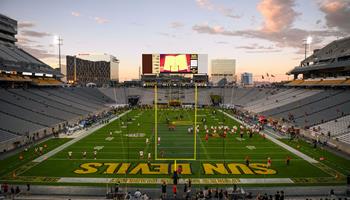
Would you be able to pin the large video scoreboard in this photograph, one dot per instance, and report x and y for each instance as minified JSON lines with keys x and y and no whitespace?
{"x":172,"y":63}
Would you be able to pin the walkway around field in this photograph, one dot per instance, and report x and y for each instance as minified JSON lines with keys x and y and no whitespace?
{"x":91,"y":192}
{"x":281,"y":144}
{"x":81,"y":136}
{"x":195,"y":181}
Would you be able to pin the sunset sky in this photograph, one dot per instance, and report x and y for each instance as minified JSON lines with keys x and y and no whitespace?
{"x":264,"y":36}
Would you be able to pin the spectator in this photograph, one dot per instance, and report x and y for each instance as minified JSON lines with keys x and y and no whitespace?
{"x":174,"y":191}
{"x":12,"y":192}
{"x":282,"y":195}
{"x":185,"y":189}
{"x":28,"y":188}
{"x":145,"y":196}
{"x":128,"y":196}
{"x":221,"y":194}
{"x":137,"y":194}
{"x":277,"y":195}
{"x":163,"y":190}
{"x":17,"y":190}
{"x":116,"y":188}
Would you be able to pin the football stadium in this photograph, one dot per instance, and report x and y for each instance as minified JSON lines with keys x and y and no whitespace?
{"x":176,"y":132}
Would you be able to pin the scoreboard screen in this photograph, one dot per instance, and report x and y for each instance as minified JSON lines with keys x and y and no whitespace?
{"x":170,"y":63}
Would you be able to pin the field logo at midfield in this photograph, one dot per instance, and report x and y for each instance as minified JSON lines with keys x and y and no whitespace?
{"x":98,"y":148}
{"x":166,"y":168}
{"x":135,"y":135}
{"x":109,"y":138}
{"x":251,"y":147}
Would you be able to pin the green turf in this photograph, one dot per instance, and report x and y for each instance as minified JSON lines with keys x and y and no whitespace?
{"x":11,"y":163}
{"x":128,"y":139}
{"x":179,"y":143}
{"x":334,"y":161}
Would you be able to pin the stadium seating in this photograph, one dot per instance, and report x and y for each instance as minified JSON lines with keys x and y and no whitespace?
{"x":335,"y":127}
{"x":315,"y":109}
{"x":344,"y":138}
{"x":24,"y":111}
{"x":18,"y":125}
{"x":6,"y":136}
{"x":295,"y":82}
{"x":9,"y":77}
{"x":46,"y":82}
{"x":117,"y":94}
{"x":278,"y":100}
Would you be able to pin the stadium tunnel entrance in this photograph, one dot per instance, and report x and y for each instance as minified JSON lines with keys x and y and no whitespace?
{"x":133,"y":100}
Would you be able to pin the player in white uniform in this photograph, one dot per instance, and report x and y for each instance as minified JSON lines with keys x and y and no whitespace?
{"x":84,"y":154}
{"x":70,"y":154}
{"x":141,"y":154}
{"x":158,"y":140}
{"x":147,"y":141}
{"x":95,"y":154}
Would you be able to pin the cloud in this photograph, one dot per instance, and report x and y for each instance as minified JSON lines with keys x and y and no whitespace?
{"x":167,"y":34}
{"x":75,"y":14}
{"x":101,"y":20}
{"x":318,"y":21}
{"x":176,"y":25}
{"x":277,"y":27}
{"x":24,"y":40}
{"x":227,"y":12}
{"x":26,"y":24}
{"x":37,"y":52}
{"x":292,"y":37}
{"x":28,"y":33}
{"x":206,"y":4}
{"x":278,"y":14}
{"x":221,"y":42}
{"x":337,"y":14}
{"x":255,"y":47}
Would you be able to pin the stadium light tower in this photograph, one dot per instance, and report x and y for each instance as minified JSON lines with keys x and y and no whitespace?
{"x":58,"y":41}
{"x":307,"y":42}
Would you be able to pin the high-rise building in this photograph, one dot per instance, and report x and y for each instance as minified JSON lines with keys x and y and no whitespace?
{"x":223,"y":71}
{"x":247,"y":78}
{"x":114,"y":63}
{"x":100,"y":69}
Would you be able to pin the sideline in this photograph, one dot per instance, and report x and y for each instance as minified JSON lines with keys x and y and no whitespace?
{"x":81,"y":136}
{"x":199,"y":181}
{"x":281,"y":144}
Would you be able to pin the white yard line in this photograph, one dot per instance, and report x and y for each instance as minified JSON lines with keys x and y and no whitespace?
{"x":67,"y":144}
{"x":281,"y":144}
{"x":276,"y":136}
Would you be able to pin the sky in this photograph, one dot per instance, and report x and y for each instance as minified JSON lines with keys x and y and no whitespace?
{"x":264,"y":36}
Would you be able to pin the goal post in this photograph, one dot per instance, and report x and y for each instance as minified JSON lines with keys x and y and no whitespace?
{"x":156,"y":129}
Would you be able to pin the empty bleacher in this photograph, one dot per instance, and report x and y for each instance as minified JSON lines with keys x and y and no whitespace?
{"x":318,"y":108}
{"x":280,"y":99}
{"x":6,"y":136}
{"x":335,"y":127}
{"x":25,"y":111}
{"x":344,"y":138}
{"x":119,"y":95}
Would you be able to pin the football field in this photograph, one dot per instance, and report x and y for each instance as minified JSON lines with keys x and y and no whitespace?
{"x":113,"y":154}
